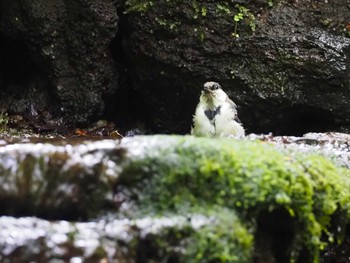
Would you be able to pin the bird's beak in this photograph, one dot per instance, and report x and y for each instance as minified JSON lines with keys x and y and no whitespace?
{"x":207,"y":90}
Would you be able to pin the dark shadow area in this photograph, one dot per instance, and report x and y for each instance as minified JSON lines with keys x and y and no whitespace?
{"x":125,"y":107}
{"x":16,"y":64}
{"x":23,"y":80}
{"x":275,"y":233}
{"x":298,"y":120}
{"x":17,"y":207}
{"x":338,"y":251}
{"x":133,"y":110}
{"x":294,"y":120}
{"x":128,"y":111}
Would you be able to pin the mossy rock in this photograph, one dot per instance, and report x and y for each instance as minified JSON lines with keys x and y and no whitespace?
{"x":176,"y":174}
{"x":52,"y":180}
{"x":256,"y":202}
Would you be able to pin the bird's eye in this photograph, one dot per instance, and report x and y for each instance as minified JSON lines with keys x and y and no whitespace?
{"x":215,"y":87}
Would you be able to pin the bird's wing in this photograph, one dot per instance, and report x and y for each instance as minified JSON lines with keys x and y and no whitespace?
{"x":226,"y":124}
{"x":233,"y":107}
{"x":236,"y":119}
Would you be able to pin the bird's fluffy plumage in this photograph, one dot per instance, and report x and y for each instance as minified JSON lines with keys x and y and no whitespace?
{"x":216,"y":114}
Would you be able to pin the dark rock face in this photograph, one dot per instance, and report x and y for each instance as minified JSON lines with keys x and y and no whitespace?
{"x":290,"y":76}
{"x":288,"y":71}
{"x":55,"y":57}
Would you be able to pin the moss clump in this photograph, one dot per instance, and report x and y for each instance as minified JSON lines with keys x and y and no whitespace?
{"x":227,"y":239}
{"x":185,"y":174}
{"x":137,"y":6}
{"x":206,"y":235}
{"x":4,"y":119}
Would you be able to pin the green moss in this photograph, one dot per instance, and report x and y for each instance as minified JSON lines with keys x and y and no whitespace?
{"x":4,"y":119}
{"x":168,"y":24}
{"x":242,"y":14}
{"x":226,"y":240}
{"x":137,"y":6}
{"x":200,"y":10}
{"x":183,"y":174}
{"x":99,"y":254}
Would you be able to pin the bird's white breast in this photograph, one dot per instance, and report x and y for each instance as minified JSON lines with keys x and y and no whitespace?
{"x":225,"y":124}
{"x":202,"y":125}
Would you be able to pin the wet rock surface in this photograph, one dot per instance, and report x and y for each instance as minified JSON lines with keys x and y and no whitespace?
{"x":57,"y":180}
{"x":55,"y":58}
{"x":333,"y":145}
{"x":128,"y":196}
{"x":102,"y":240}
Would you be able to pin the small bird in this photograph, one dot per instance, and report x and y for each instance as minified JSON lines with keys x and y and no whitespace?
{"x":216,"y":114}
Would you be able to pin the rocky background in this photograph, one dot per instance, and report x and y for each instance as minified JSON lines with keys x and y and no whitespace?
{"x":142,"y":64}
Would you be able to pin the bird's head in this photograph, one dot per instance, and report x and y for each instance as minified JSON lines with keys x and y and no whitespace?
{"x":213,"y":92}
